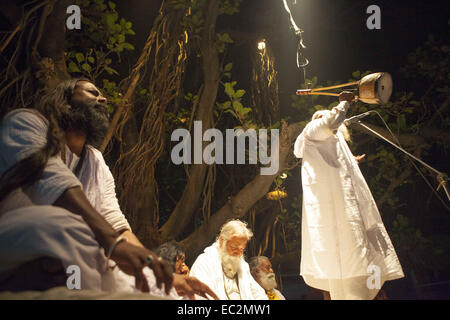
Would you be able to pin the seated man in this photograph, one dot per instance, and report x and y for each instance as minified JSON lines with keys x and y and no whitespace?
{"x":31,"y":167}
{"x":173,"y":253}
{"x":261,"y":270}
{"x":85,"y":128}
{"x":223,"y":268}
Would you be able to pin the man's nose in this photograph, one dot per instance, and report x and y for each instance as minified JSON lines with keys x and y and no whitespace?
{"x":102,"y":100}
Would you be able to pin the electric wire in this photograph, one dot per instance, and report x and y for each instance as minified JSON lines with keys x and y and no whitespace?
{"x":412,"y":162}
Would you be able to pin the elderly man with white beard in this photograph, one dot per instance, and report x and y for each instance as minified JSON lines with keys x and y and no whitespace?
{"x":346,"y":250}
{"x":222,"y":266}
{"x":261,"y":270}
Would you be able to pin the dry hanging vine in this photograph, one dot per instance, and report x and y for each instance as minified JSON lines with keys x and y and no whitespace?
{"x":166,"y":52}
{"x":264,"y":89}
{"x":19,"y":71}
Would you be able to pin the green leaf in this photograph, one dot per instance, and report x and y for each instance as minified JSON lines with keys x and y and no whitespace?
{"x":73,"y":67}
{"x":239,"y":93}
{"x":225,"y":38}
{"x":238,"y":107}
{"x":111,"y":4}
{"x":79,"y":56}
{"x":128,"y":46}
{"x":356,"y":74}
{"x":91,"y":59}
{"x":232,"y":112}
{"x":246,"y":110}
{"x":110,"y":19}
{"x":86,"y":67}
{"x":229,"y":89}
{"x":111,"y":70}
{"x":228,"y":67}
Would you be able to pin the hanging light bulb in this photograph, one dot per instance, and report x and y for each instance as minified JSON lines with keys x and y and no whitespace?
{"x":262,"y":45}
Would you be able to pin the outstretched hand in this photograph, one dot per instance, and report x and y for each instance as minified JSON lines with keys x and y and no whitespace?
{"x":132,"y":259}
{"x":188,"y":286}
{"x":347,"y":96}
{"x":360,"y":158}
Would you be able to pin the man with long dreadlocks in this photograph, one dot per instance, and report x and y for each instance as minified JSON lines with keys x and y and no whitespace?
{"x":46,"y":213}
{"x":346,"y":250}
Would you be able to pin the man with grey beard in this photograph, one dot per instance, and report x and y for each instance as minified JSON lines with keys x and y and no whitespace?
{"x":261,"y":270}
{"x":222,"y":266}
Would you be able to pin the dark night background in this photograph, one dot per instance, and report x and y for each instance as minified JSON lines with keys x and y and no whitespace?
{"x":335,"y":34}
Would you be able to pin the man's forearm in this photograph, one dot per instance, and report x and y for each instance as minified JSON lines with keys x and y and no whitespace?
{"x":74,"y":200}
{"x":131,"y":237}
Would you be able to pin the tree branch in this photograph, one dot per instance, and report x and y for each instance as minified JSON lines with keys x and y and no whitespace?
{"x":185,"y":209}
{"x":244,"y":199}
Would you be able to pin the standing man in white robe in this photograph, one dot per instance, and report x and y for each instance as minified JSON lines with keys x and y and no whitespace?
{"x":223,"y":268}
{"x":346,"y":250}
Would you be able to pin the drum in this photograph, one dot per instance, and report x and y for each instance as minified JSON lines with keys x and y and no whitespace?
{"x":375,"y":88}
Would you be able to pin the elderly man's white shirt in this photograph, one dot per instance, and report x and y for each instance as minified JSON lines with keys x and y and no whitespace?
{"x":208,"y":269}
{"x":343,"y":236}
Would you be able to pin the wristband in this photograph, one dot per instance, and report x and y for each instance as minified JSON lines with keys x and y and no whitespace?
{"x":113,"y":246}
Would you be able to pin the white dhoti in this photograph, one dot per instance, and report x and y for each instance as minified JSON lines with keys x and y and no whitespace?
{"x":46,"y":231}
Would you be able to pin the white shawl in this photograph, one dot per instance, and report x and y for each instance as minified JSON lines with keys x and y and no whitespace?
{"x":208,"y":269}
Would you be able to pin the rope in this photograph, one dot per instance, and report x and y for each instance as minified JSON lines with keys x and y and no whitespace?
{"x":302,"y":61}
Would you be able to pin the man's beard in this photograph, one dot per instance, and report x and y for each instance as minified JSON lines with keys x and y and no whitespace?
{"x":230,"y":264}
{"x":268,"y":280}
{"x":90,"y":118}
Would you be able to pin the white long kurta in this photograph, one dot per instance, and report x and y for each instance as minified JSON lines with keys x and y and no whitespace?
{"x":208,"y":269}
{"x":98,"y":185}
{"x":344,"y":241}
{"x":30,"y":227}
